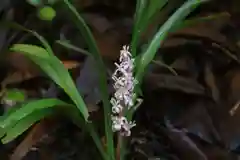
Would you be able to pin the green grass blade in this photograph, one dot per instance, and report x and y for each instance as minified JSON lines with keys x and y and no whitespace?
{"x":23,"y":124}
{"x":82,"y":26}
{"x":162,"y":64}
{"x":53,"y":67}
{"x":97,"y":141}
{"x":199,"y":20}
{"x":39,"y":37}
{"x":139,"y":15}
{"x":154,"y":6}
{"x":13,"y":116}
{"x":143,"y":15}
{"x":73,"y":113}
{"x":31,"y":50}
{"x":72,"y":47}
{"x":14,"y":95}
{"x":67,"y":84}
{"x":20,"y":117}
{"x":160,"y":36}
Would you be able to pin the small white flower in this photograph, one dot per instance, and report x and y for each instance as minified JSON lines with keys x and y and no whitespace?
{"x":117,"y":109}
{"x":125,"y":54}
{"x":118,"y":123}
{"x":121,"y":93}
{"x":124,"y":83}
{"x":126,"y":129}
{"x":116,"y":127}
{"x":119,"y":82}
{"x":114,"y":102}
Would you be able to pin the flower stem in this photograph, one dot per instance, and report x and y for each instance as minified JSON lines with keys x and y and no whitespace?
{"x":118,"y":150}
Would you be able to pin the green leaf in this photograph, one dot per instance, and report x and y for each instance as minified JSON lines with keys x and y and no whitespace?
{"x":160,"y":36}
{"x":15,"y":95}
{"x":66,"y":44}
{"x":46,"y":13}
{"x":162,"y":64}
{"x":54,"y":68}
{"x":149,"y":53}
{"x":31,"y":50}
{"x":84,"y":29}
{"x":35,"y":2}
{"x":154,"y":6}
{"x":74,"y":114}
{"x":39,"y":37}
{"x":23,"y":124}
{"x":13,"y":116}
{"x":198,"y":20}
{"x":140,"y":9}
{"x":143,"y":15}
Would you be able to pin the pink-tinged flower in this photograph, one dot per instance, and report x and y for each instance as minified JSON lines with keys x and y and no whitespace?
{"x":124,"y":83}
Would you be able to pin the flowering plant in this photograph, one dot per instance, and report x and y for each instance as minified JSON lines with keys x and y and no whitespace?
{"x":127,"y":79}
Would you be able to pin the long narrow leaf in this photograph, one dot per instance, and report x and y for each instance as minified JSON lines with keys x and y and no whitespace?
{"x":140,"y":8}
{"x":154,"y":6}
{"x":175,"y":20}
{"x":23,"y":124}
{"x":39,"y":37}
{"x":53,"y":67}
{"x":55,"y":76}
{"x":73,"y":114}
{"x":143,"y":16}
{"x":82,"y":26}
{"x":19,"y":113}
{"x":199,"y":20}
{"x":31,"y":50}
{"x":72,"y":47}
{"x":160,"y":36}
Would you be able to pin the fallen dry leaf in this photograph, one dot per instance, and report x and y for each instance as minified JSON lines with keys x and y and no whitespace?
{"x":177,"y":83}
{"x":183,"y":145}
{"x":226,"y":115}
{"x":197,"y":121}
{"x":210,"y":81}
{"x":37,"y":133}
{"x":24,"y":69}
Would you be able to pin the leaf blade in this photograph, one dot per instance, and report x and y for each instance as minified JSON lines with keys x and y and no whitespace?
{"x":22,"y":125}
{"x":54,"y":68}
{"x":160,"y":36}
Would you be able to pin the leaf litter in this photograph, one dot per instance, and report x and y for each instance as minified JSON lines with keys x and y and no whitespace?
{"x":191,"y":114}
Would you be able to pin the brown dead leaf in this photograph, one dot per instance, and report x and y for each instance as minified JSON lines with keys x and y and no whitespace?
{"x":186,"y":64}
{"x":25,"y":69}
{"x":196,"y":120}
{"x":39,"y":132}
{"x":183,"y":145}
{"x":210,"y":81}
{"x":108,"y":44}
{"x":234,"y":109}
{"x":177,"y":83}
{"x":20,"y":62}
{"x":226,"y":115}
{"x":182,"y":63}
{"x":210,"y":29}
{"x":92,"y":107}
{"x":16,"y":77}
{"x":217,"y":153}
{"x":109,"y":41}
{"x":71,"y":64}
{"x":233,"y":86}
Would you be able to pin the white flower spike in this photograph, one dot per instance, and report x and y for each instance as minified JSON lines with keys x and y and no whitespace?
{"x":124,"y":83}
